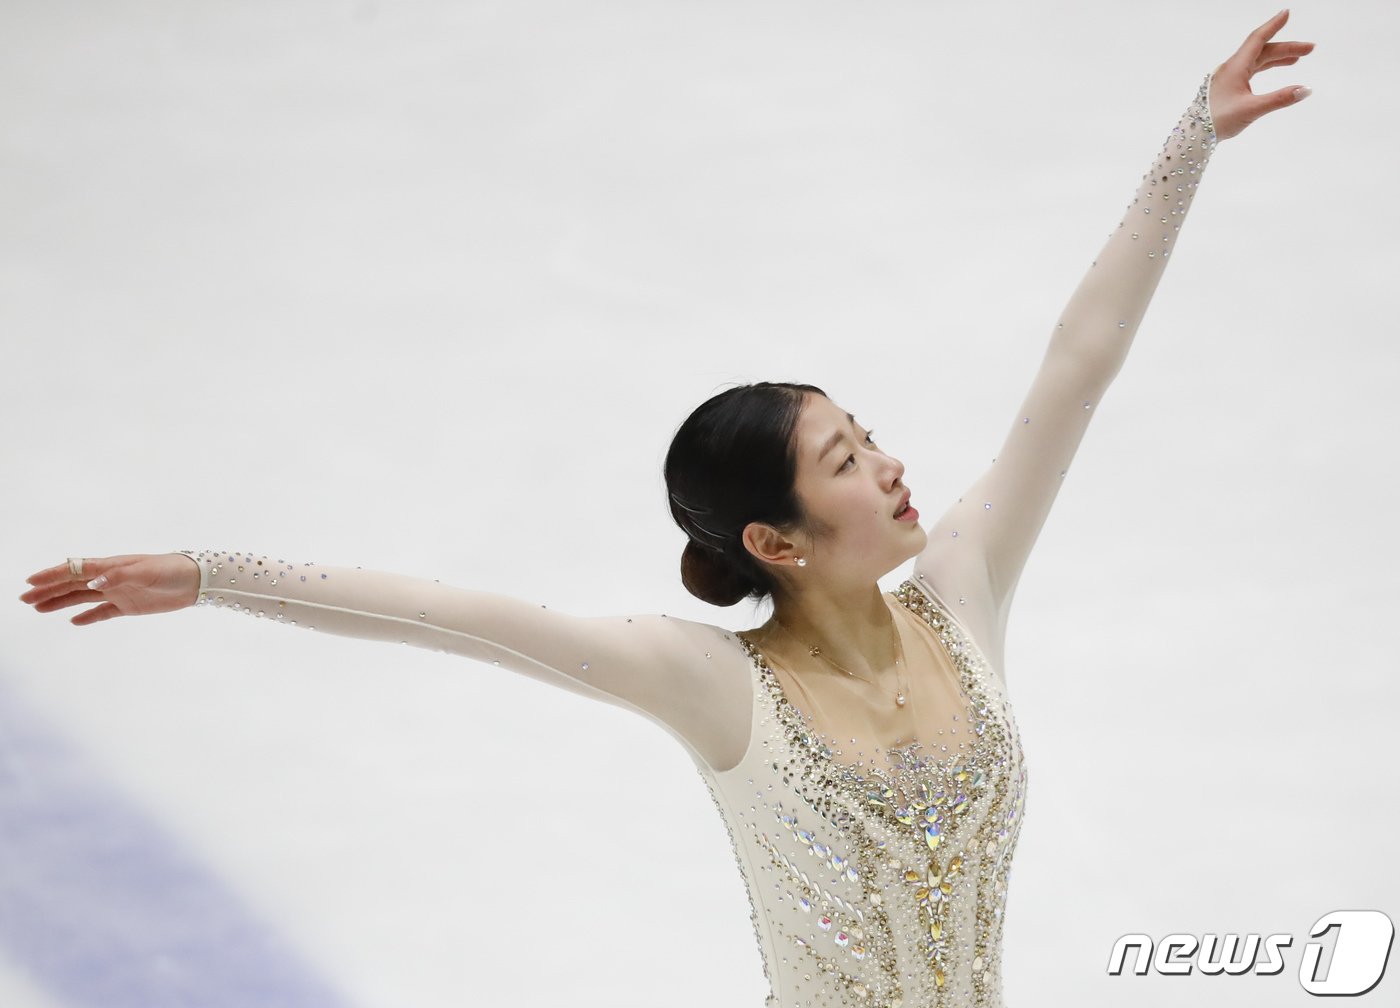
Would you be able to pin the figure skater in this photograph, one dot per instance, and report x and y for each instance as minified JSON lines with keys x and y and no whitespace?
{"x":858,"y":745}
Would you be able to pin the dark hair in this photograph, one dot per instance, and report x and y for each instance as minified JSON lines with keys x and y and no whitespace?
{"x":732,"y":462}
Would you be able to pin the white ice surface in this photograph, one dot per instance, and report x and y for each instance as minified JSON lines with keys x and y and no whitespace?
{"x":426,"y":287}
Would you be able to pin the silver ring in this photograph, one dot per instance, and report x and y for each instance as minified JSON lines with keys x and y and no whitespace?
{"x":75,"y":566}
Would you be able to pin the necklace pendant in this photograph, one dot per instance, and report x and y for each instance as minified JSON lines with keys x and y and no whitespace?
{"x":899,"y":699}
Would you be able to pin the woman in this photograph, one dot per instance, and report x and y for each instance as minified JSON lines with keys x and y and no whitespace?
{"x":859,"y":745}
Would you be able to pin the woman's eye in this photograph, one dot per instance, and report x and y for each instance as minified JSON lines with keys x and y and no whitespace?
{"x":850,"y":459}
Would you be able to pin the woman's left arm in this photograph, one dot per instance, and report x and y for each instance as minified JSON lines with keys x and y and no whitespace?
{"x":978,"y":548}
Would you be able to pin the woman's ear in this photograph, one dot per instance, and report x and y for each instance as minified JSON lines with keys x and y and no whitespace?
{"x":771,"y":547}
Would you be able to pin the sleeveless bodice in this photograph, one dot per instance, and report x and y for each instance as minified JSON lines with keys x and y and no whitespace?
{"x":879,"y":885}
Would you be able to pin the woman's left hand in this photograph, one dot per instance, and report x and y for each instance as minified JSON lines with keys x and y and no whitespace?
{"x":1233,"y":105}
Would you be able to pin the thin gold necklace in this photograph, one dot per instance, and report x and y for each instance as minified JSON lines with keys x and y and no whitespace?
{"x":901,"y":695}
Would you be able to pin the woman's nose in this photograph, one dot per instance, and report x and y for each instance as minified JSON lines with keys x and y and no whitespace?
{"x":897,"y":469}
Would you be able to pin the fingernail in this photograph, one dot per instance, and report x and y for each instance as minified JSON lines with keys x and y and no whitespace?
{"x":1300,"y":93}
{"x":98,"y":581}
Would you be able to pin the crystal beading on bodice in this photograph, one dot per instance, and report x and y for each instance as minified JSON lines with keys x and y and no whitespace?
{"x":886,"y":885}
{"x":880,"y":886}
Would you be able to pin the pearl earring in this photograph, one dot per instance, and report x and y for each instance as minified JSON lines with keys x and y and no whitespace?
{"x":801,"y":562}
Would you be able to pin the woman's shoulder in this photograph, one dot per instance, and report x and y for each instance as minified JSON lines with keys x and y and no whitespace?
{"x":709,"y":685}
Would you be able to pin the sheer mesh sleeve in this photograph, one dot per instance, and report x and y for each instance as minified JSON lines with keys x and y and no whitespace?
{"x":664,"y":668}
{"x":978,"y":548}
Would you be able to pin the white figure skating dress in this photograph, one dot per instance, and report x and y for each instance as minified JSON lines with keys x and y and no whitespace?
{"x":877,"y":874}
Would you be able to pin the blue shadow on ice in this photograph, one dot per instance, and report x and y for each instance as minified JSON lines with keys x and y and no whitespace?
{"x":99,"y":907}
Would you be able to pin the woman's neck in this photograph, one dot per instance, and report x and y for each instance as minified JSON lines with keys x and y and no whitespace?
{"x":854,"y":628}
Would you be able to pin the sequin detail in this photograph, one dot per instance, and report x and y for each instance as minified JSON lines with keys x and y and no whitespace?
{"x":1171,"y":183}
{"x":218,"y":568}
{"x":887,"y":887}
{"x":867,"y":885}
{"x":878,"y":885}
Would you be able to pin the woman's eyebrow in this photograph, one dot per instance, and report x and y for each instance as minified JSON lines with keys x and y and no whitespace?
{"x":831,"y":442}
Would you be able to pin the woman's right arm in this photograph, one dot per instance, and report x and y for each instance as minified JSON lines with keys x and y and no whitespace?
{"x":681,"y":674}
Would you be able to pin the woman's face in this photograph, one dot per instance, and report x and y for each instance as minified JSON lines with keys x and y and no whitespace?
{"x":851,"y":490}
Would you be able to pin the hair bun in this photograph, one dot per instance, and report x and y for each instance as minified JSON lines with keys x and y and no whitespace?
{"x":711,"y":578}
{"x":731,"y":463}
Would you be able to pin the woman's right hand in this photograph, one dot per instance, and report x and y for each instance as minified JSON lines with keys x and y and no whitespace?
{"x":1233,"y":104}
{"x":137,"y":584}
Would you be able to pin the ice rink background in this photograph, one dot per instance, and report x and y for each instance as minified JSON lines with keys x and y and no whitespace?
{"x":428,"y":287}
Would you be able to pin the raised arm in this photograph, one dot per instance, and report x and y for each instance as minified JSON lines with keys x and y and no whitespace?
{"x":978,"y":548}
{"x":685,"y":676}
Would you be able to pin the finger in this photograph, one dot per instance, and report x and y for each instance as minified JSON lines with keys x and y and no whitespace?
{"x":1270,"y":28}
{"x":1291,"y":48}
{"x":1282,"y":98}
{"x":49,"y":575}
{"x":1275,"y":51}
{"x":61,"y":572}
{"x":36,"y":596}
{"x":92,"y":567}
{"x":1281,"y":61}
{"x":65,"y":600}
{"x":1253,"y":44}
{"x":43,"y":593}
{"x":103,"y":612}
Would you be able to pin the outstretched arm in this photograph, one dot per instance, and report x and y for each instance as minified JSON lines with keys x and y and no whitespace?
{"x":978,"y":548}
{"x":673,"y":671}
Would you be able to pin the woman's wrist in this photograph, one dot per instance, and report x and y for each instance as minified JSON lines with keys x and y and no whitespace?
{"x":1210,"y":112}
{"x":198,"y":577}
